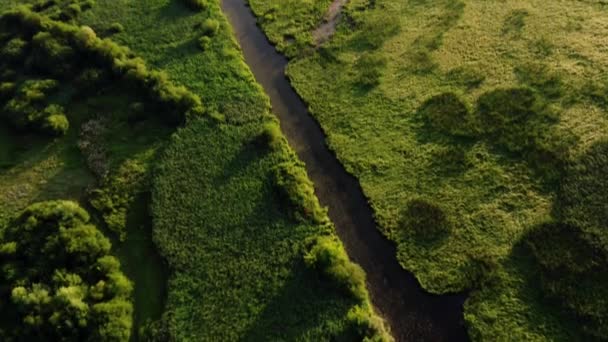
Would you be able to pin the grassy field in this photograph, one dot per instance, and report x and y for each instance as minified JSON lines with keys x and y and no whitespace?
{"x":234,"y":247}
{"x":462,"y":120}
{"x":250,"y":254}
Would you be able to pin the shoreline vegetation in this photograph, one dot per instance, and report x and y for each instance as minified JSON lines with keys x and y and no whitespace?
{"x":473,"y":138}
{"x":190,"y":155}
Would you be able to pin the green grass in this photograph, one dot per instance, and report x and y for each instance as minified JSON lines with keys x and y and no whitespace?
{"x":234,"y":246}
{"x":477,"y":107}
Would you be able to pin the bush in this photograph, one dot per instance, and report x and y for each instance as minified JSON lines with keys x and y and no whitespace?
{"x":204,"y":42}
{"x":294,"y":187}
{"x":327,"y":256}
{"x":54,"y":121}
{"x":14,"y":50}
{"x":116,"y":28}
{"x":272,"y":136}
{"x":75,"y":292}
{"x":51,"y":55}
{"x":447,"y":114}
{"x":425,"y":220}
{"x":210,"y":27}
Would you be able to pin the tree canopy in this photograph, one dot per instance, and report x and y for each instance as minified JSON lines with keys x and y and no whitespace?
{"x":59,"y":280}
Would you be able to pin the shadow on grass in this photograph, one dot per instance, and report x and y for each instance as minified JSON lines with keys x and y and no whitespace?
{"x":305,"y":307}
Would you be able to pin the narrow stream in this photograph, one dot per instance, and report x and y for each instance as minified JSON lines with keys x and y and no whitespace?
{"x":412,"y":314}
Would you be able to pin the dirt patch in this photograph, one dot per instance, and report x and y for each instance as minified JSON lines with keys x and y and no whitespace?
{"x":328,"y":27}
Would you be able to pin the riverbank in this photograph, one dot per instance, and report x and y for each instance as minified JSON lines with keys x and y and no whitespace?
{"x":412,"y":313}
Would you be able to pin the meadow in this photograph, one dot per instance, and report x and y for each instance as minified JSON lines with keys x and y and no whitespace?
{"x":209,"y":211}
{"x":476,"y":130}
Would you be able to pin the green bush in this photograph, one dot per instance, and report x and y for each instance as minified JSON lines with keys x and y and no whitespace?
{"x":327,"y":256}
{"x":425,"y":220}
{"x":14,"y":50}
{"x":75,"y":292}
{"x":117,"y":194}
{"x":51,"y":55}
{"x":447,"y":113}
{"x":55,"y":122}
{"x":204,"y":42}
{"x":210,"y":27}
{"x":116,"y":28}
{"x":294,"y":187}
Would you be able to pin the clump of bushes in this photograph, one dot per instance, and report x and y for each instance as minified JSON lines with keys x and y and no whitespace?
{"x":14,"y":50}
{"x":210,"y":27}
{"x":117,"y":193}
{"x":447,"y":113}
{"x":204,"y":42}
{"x":116,"y":28}
{"x":60,"y":44}
{"x":425,"y":220}
{"x":75,"y":292}
{"x":51,"y":55}
{"x":55,"y":122}
{"x":294,"y":187}
{"x":271,"y":136}
{"x":27,"y":108}
{"x":327,"y":256}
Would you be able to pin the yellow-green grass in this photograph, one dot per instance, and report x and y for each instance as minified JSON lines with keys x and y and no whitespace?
{"x":368,"y":88}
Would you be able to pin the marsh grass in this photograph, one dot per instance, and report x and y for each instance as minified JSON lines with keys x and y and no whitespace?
{"x":481,"y":108}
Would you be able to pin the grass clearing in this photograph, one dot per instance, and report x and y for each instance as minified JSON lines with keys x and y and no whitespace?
{"x":476,"y":107}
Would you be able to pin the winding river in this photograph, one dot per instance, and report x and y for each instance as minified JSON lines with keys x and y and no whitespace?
{"x":412,"y":314}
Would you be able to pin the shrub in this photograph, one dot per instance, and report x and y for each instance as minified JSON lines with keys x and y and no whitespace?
{"x":116,"y":28}
{"x":447,"y":113}
{"x":75,"y":292}
{"x":14,"y":50}
{"x":272,"y":136}
{"x":327,"y":256}
{"x":51,"y":55}
{"x":294,"y":187}
{"x":210,"y":27}
{"x":117,"y":194}
{"x":54,"y":121}
{"x":426,"y":220}
{"x":363,"y":325}
{"x":204,"y":42}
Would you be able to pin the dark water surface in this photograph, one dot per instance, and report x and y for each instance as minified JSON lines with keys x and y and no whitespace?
{"x":412,"y":314}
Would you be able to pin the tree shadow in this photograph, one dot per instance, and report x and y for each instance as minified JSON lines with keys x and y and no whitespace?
{"x":306,"y":307}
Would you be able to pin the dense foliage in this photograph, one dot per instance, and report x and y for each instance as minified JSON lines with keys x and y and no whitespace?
{"x":59,"y":281}
{"x":474,"y":128}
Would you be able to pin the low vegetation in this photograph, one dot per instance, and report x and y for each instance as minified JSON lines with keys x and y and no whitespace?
{"x":474,"y":133}
{"x":75,"y":292}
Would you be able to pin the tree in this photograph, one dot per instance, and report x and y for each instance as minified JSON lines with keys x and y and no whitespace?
{"x":59,"y":279}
